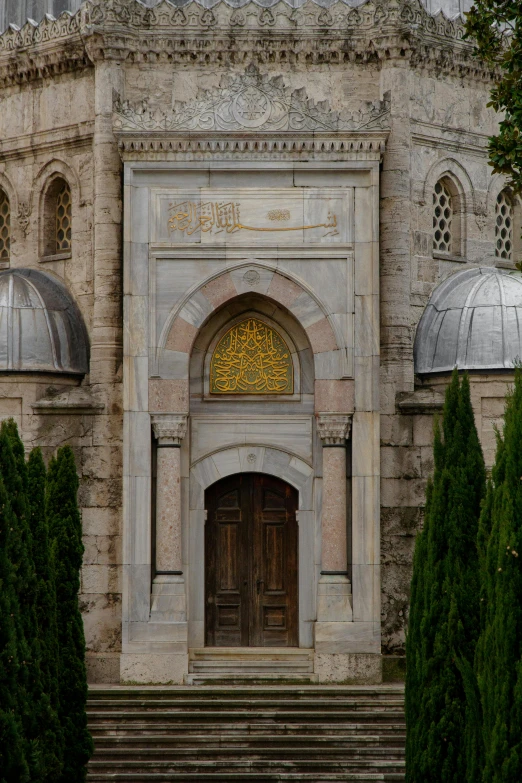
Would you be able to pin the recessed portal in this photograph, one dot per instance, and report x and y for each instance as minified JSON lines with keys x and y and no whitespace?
{"x":251,"y":557}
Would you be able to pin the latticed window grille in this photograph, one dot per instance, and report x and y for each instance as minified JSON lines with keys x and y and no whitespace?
{"x":5,"y":226}
{"x":442,"y":218}
{"x":504,"y":226}
{"x":63,"y":219}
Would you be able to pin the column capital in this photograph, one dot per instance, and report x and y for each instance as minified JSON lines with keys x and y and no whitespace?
{"x":333,"y":428}
{"x":170,"y":427}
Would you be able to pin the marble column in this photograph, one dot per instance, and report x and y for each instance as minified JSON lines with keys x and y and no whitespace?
{"x":334,"y":597}
{"x":168,"y":587}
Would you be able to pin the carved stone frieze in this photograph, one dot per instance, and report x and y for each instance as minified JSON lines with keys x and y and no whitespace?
{"x":251,"y":101}
{"x":192,"y":13}
{"x":24,"y":213}
{"x":128,"y":30}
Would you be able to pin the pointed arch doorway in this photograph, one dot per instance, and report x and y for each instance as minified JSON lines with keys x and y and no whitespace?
{"x":251,"y":562}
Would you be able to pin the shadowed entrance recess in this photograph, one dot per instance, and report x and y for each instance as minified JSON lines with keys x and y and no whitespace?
{"x":251,"y":562}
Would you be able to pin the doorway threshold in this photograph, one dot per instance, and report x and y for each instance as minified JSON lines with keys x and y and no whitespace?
{"x":250,"y":665}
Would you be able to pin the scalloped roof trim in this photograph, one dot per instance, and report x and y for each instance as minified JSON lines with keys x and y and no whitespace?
{"x":31,"y":26}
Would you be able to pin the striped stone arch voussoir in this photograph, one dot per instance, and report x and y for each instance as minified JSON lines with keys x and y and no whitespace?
{"x":323,"y":334}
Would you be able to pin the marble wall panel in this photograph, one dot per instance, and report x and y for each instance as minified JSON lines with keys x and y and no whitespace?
{"x":172,"y":365}
{"x":135,"y":388}
{"x":175,"y":277}
{"x":210,"y":434}
{"x":327,"y":277}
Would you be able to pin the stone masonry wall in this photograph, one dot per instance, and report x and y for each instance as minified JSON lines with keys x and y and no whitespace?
{"x":440,"y":127}
{"x":47,"y":128}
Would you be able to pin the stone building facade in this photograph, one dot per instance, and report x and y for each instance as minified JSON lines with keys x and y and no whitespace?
{"x":243,"y":213}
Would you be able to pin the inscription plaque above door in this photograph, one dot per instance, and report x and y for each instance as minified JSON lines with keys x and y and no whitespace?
{"x":253,"y":216}
{"x":251,"y":358}
{"x":251,"y":563}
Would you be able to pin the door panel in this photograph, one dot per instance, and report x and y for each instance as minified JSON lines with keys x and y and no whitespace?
{"x":226,"y":572}
{"x":251,"y":558}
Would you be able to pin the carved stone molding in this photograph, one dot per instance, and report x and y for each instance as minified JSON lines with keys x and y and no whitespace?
{"x":170,"y":428}
{"x":333,"y":428}
{"x":24,"y":213}
{"x":159,"y":145}
{"x":253,"y":102}
{"x":190,"y":32}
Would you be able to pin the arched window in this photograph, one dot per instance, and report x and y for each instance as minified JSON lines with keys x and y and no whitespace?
{"x":58,"y":218}
{"x":504,"y":214}
{"x":5,"y":227}
{"x":443,"y":240}
{"x":448,"y":219}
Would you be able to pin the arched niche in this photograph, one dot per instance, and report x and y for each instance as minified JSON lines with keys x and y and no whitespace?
{"x":275,"y":317}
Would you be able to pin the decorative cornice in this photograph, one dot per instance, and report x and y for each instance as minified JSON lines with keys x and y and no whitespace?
{"x":189,"y":32}
{"x":190,"y":147}
{"x":333,"y":428}
{"x":75,"y":401}
{"x":170,"y":428}
{"x":420,"y":401}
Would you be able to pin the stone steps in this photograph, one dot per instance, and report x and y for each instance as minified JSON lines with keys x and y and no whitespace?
{"x":237,"y":665}
{"x":247,"y":733}
{"x":230,"y":740}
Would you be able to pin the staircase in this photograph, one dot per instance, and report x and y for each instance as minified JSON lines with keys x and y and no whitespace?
{"x":247,"y":733}
{"x":250,"y":665}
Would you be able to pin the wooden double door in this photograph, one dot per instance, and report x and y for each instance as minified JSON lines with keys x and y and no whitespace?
{"x":251,"y":557}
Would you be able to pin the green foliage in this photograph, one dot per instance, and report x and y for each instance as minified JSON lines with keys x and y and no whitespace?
{"x":442,"y":704}
{"x":496,"y":27}
{"x":13,"y":764}
{"x":499,"y":650}
{"x":43,"y":689}
{"x":19,"y":552}
{"x":66,"y":533}
{"x":51,"y":738}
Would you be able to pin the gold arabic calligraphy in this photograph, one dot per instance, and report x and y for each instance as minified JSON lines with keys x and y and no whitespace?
{"x":251,"y":358}
{"x":218,"y":216}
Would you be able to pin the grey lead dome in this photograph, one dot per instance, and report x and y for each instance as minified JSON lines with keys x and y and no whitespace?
{"x":41,"y":328}
{"x":473,"y":320}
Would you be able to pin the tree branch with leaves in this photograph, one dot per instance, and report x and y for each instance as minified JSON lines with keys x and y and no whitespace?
{"x":496,"y":28}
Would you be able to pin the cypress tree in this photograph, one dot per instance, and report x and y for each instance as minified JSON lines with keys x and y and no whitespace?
{"x":499,"y":650}
{"x":13,"y":764}
{"x":66,"y":533}
{"x":441,"y":692}
{"x":19,"y":552}
{"x":50,"y":732}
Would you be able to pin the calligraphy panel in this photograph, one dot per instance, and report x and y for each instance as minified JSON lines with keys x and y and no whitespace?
{"x":251,"y":358}
{"x":254,"y":216}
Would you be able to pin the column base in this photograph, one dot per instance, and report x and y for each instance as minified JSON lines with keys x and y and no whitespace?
{"x":334,"y":599}
{"x":153,"y":668}
{"x":168,"y":599}
{"x":349,"y":668}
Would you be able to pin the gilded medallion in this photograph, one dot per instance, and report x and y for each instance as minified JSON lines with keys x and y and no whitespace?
{"x":251,"y":358}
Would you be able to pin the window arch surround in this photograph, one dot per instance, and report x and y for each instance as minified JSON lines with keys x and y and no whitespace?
{"x":9,"y":207}
{"x":457,"y":181}
{"x":5,"y":227}
{"x":499,"y":195}
{"x":57,"y":218}
{"x":448,"y":218}
{"x":47,"y":185}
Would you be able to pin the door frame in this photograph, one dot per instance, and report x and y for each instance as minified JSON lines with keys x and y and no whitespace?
{"x":275,"y":462}
{"x":250,"y":561}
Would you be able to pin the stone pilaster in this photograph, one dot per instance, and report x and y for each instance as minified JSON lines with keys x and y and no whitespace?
{"x":168,"y":588}
{"x":334,"y":605}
